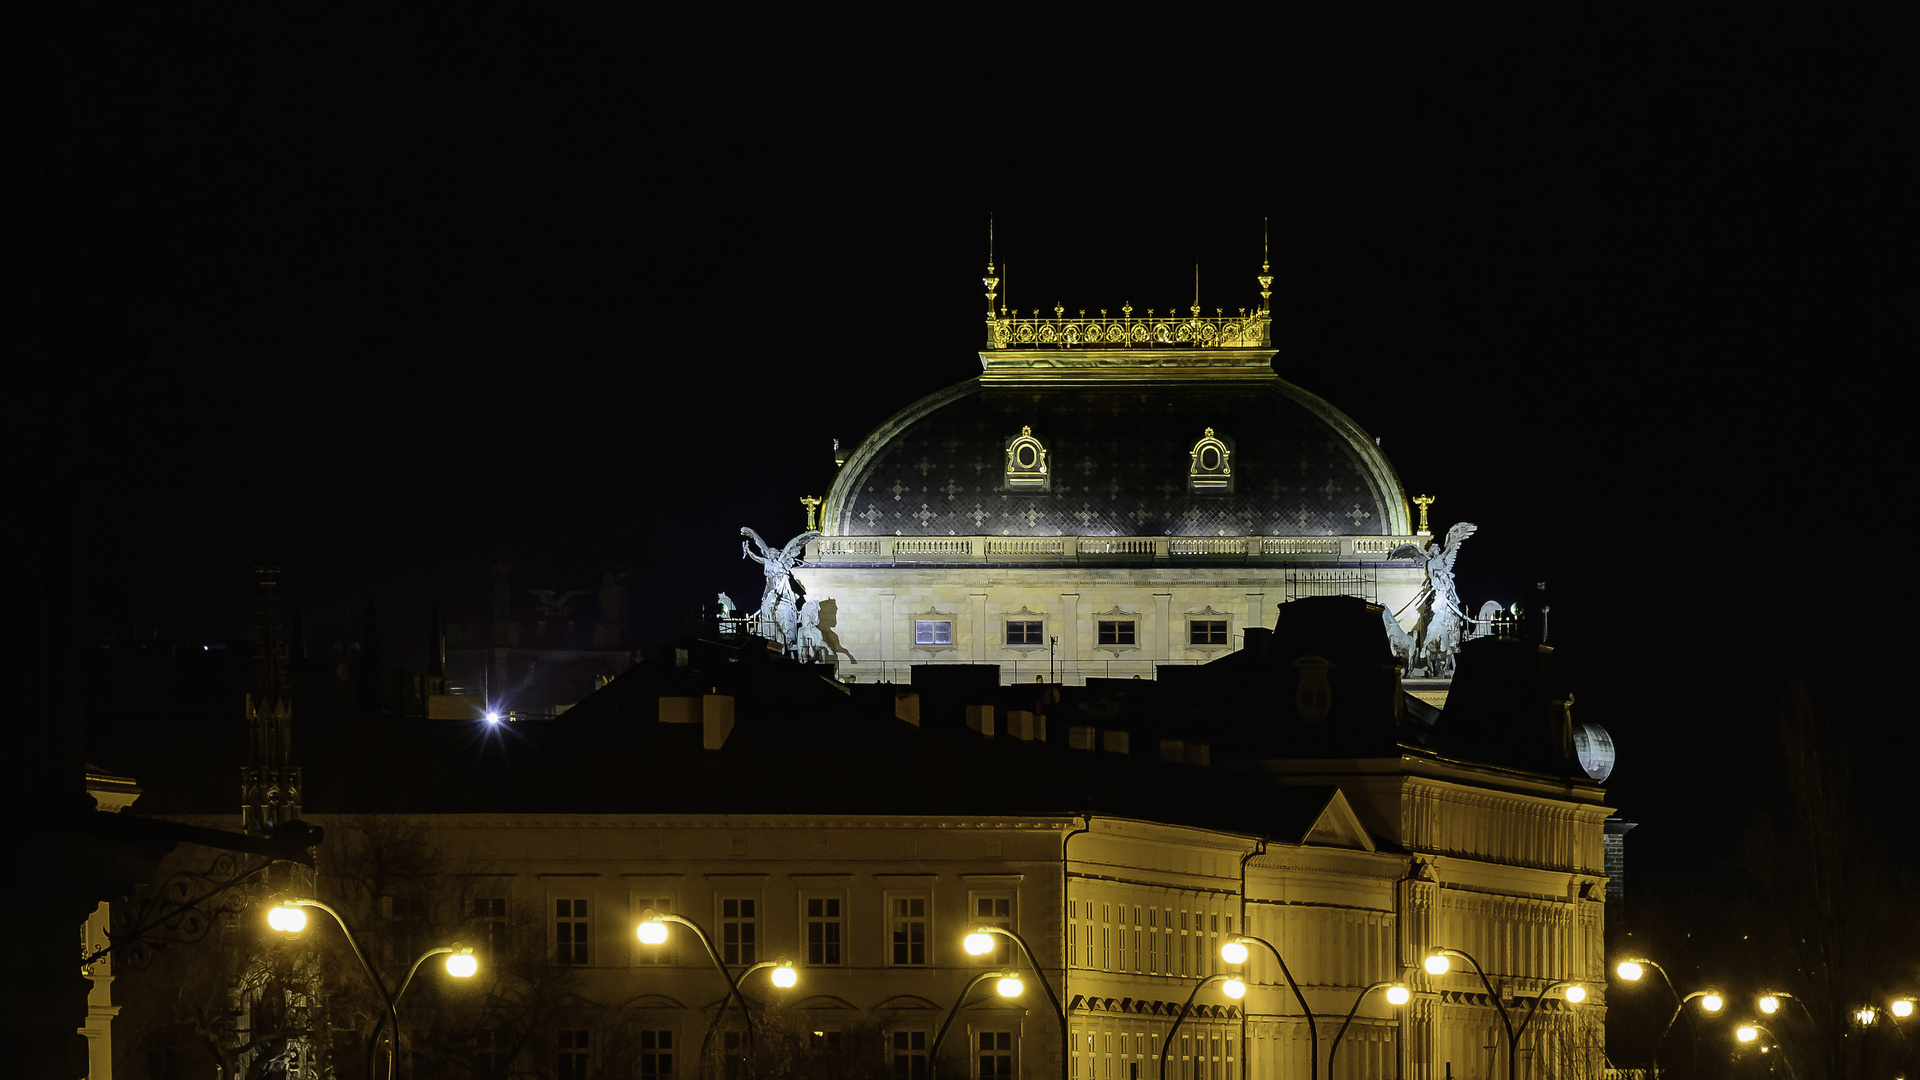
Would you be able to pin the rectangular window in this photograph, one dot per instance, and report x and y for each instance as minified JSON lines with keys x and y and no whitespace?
{"x":996,"y":909}
{"x":996,"y":1055}
{"x":1153,"y":941}
{"x":933,"y":631}
{"x":570,"y":932}
{"x":1120,"y":932}
{"x":1185,"y":966}
{"x":492,"y":1054}
{"x":908,"y":930}
{"x":1106,"y":937}
{"x":739,"y":931}
{"x":1116,"y":631}
{"x":406,"y":927}
{"x":1207,"y":632}
{"x":825,"y":930}
{"x":1024,"y":632}
{"x":1139,"y":957}
{"x":907,"y":1053}
{"x":656,"y":1054}
{"x":489,"y":917}
{"x":570,"y":1062}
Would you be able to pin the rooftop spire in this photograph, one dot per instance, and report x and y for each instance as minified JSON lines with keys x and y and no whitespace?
{"x":270,"y":786}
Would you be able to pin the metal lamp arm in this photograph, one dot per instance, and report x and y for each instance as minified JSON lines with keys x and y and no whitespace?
{"x":1045,"y":984}
{"x":1505,"y":1021}
{"x":1313,"y":1029}
{"x":1342,"y":1033}
{"x":393,"y":1014}
{"x":933,"y":1054}
{"x":1184,"y":1010}
{"x":1535,"y":1006}
{"x":733,"y":990}
{"x":373,"y":1040}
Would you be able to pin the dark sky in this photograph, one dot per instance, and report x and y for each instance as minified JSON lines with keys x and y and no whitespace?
{"x":403,"y":298}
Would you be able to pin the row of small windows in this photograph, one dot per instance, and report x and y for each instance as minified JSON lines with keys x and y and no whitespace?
{"x":1209,"y":463}
{"x":907,"y":1053}
{"x":1146,"y":939}
{"x":1117,"y":632}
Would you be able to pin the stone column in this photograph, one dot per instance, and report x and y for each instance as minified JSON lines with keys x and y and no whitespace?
{"x":1256,"y":612}
{"x":977,"y":616}
{"x":1163,"y":606}
{"x":886,"y":628}
{"x":1067,"y":627}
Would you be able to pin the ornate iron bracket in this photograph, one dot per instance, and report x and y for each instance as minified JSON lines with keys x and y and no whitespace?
{"x":182,"y":910}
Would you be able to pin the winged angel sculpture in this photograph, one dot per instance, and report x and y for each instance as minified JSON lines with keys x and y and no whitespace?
{"x":1440,"y":625}
{"x":780,"y":600}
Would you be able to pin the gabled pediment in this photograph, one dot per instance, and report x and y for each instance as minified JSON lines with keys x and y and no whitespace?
{"x":1338,"y":826}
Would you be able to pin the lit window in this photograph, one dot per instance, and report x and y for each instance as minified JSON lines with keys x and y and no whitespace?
{"x":1117,"y":631}
{"x":933,"y":631}
{"x":1024,"y":632}
{"x":739,"y":931}
{"x":907,"y":1052}
{"x":570,"y":932}
{"x":908,"y":930}
{"x":824,"y":930}
{"x":571,"y":1062}
{"x":1207,"y":632}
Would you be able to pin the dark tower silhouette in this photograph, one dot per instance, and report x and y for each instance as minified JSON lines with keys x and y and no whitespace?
{"x":370,"y":687}
{"x":270,"y":787}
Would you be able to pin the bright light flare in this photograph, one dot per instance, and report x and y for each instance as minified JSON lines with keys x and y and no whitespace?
{"x":462,"y":964}
{"x":1901,"y":1008}
{"x":1575,"y":994}
{"x":978,"y":943}
{"x":785,"y":977}
{"x":1713,"y":1003}
{"x":1234,"y":952}
{"x":653,"y":932}
{"x":1866,"y":1015}
{"x":492,"y":717}
{"x":1438,"y":964}
{"x":1010,"y":986}
{"x":1398,"y":995}
{"x":1769,"y":1004}
{"x":1234,"y":988}
{"x":1746,"y":1033}
{"x":1630,"y":970}
{"x":287,"y":918}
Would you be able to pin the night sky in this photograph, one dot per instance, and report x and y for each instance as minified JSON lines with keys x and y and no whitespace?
{"x":398,"y":299}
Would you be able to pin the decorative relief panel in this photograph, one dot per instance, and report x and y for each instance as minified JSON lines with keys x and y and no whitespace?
{"x":1210,"y":466}
{"x":1026,"y":462}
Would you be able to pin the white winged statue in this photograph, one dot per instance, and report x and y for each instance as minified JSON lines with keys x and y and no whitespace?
{"x":1440,"y":624}
{"x":780,"y":599}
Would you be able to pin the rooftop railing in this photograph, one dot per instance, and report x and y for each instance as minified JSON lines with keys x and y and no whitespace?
{"x":1041,"y":550}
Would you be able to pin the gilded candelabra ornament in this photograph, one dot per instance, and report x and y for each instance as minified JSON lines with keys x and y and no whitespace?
{"x":812,"y":503}
{"x":1423,"y":501}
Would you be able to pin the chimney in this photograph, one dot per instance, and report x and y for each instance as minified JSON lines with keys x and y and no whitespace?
{"x":1173,"y":750}
{"x":1021,"y":725}
{"x":980,"y":719}
{"x":906,"y":706}
{"x":1114,"y":742}
{"x":1080,"y":736}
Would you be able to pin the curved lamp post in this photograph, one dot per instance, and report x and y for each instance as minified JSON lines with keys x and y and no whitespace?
{"x":1231,"y":986}
{"x":1397,"y":994}
{"x":1770,"y":1003}
{"x":1710,"y":1000}
{"x":980,"y":942}
{"x":461,"y":964}
{"x":1438,"y":964}
{"x":1009,"y":986}
{"x":653,"y":931}
{"x":1235,"y":952}
{"x":289,"y":917}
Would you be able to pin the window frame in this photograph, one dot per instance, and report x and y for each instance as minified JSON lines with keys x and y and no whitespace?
{"x":841,"y":920}
{"x":892,"y":897}
{"x":1194,"y":632}
{"x":582,"y":918}
{"x":740,"y":956}
{"x":660,"y":900}
{"x":928,"y":631}
{"x":1002,"y":953}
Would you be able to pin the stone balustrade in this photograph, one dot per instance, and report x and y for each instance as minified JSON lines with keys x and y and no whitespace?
{"x":1041,"y":550}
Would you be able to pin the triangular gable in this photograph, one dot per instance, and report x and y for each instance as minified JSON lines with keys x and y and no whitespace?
{"x":1338,"y":826}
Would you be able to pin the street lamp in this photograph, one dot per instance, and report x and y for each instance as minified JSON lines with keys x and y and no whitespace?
{"x":1007,"y":986}
{"x":1710,"y":1000}
{"x":1438,"y":964}
{"x":653,"y":931}
{"x":1397,"y":994}
{"x":1901,"y":1008}
{"x":461,"y":964}
{"x":1230,"y":985}
{"x":980,"y":942}
{"x":1770,"y":1003}
{"x":1235,"y":952}
{"x":289,"y":917}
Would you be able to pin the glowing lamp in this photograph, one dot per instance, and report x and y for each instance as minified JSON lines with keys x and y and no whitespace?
{"x":1437,"y":963}
{"x":1398,"y":995}
{"x":1746,"y":1033}
{"x":784,"y":976}
{"x":653,"y":932}
{"x":1712,"y":1003}
{"x":492,"y":717}
{"x":979,"y":943}
{"x":1009,"y":986}
{"x":1769,"y":1004}
{"x":287,"y":918}
{"x":1902,"y":1008}
{"x":1630,"y":970}
{"x":1866,"y":1015}
{"x":1234,"y":952}
{"x":461,"y":964}
{"x":1576,"y":994}
{"x":1234,"y":988}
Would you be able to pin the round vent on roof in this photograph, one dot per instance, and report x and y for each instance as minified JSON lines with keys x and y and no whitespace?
{"x":1594,"y":747}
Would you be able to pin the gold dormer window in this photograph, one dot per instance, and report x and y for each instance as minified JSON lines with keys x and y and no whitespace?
{"x":1026,"y":461}
{"x":1211,"y":465}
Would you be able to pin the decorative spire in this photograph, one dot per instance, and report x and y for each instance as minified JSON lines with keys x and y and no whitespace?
{"x":992,"y":280}
{"x":1266,"y":276}
{"x":270,"y":785}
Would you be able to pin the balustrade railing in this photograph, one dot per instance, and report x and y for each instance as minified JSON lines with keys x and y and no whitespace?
{"x":1044,"y":549}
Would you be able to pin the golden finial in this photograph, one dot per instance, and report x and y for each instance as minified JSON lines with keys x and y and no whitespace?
{"x":1266,"y":276}
{"x":1196,"y":290}
{"x":991,"y":281}
{"x":812,"y":503}
{"x":1423,"y":501}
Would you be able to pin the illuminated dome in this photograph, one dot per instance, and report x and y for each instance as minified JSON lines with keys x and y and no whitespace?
{"x":1197,"y":456}
{"x":1594,"y":747}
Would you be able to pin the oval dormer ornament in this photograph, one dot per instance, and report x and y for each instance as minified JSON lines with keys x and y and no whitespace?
{"x":1026,"y":461}
{"x":1211,"y":468}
